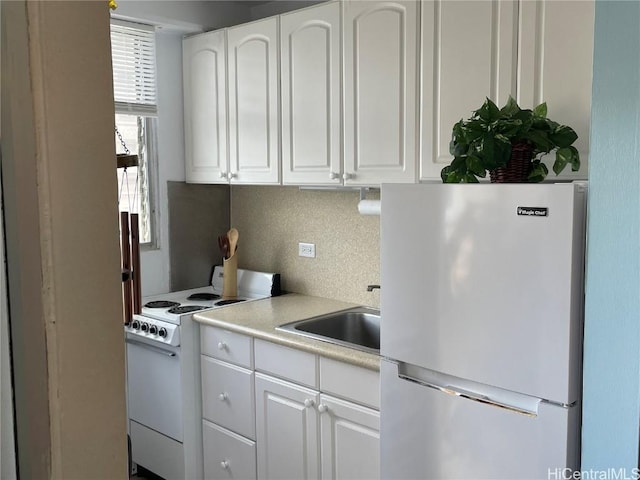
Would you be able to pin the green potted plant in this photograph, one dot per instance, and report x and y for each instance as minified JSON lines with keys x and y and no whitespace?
{"x":508,"y":143}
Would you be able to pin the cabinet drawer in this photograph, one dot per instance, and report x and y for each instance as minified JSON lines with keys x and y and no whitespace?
{"x":351,"y":382}
{"x":226,"y":454}
{"x":228,"y":346}
{"x":228,"y":396}
{"x":287,"y":363}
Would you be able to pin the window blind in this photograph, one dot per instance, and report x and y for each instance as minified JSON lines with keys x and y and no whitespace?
{"x":133,"y":53}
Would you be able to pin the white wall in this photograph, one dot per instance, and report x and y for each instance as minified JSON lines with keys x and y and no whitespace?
{"x":277,"y":7}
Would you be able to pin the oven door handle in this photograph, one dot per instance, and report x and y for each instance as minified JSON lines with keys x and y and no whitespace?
{"x":153,"y":348}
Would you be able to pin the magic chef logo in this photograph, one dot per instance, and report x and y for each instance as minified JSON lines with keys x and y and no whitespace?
{"x":533,"y":211}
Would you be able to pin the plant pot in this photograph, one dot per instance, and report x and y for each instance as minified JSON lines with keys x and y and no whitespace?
{"x":517,"y":168}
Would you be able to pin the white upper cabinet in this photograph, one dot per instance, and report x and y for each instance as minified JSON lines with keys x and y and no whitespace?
{"x":468,"y":54}
{"x":380,"y":91}
{"x":556,"y":66}
{"x":310,"y":83}
{"x":254,"y":102}
{"x":205,"y":107}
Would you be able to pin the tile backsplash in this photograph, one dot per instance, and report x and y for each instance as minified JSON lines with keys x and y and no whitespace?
{"x":272,"y":220}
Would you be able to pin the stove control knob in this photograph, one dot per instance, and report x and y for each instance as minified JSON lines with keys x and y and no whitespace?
{"x":144,"y":326}
{"x":162,"y":332}
{"x":153,"y":329}
{"x":135,"y":324}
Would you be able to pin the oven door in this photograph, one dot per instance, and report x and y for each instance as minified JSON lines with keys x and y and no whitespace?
{"x":154,"y":386}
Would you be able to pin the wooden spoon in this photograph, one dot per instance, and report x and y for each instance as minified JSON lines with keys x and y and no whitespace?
{"x":232,"y":235}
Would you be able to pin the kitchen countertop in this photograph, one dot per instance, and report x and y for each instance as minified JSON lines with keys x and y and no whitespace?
{"x":260,"y":318}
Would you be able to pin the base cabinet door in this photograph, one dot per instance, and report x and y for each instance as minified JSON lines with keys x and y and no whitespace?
{"x":286,"y":430}
{"x":226,"y":454}
{"x":350,"y":440}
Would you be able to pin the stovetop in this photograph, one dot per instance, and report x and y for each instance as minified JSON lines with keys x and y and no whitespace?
{"x":171,"y":307}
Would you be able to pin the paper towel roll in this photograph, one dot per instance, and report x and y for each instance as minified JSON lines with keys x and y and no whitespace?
{"x":369,"y":207}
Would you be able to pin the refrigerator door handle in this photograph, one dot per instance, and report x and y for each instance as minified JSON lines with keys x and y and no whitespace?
{"x":527,"y":406}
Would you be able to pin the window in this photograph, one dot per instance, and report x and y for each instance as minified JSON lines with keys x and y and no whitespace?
{"x":134,"y":86}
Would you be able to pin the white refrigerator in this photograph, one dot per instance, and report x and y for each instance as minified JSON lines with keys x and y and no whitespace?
{"x":481,"y":338}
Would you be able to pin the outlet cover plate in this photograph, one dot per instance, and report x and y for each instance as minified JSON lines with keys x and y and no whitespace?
{"x":307,"y":250}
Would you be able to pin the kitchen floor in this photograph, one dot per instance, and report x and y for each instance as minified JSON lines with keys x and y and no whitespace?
{"x":144,"y":474}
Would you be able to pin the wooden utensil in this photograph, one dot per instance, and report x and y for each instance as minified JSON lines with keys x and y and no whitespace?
{"x":232,"y":235}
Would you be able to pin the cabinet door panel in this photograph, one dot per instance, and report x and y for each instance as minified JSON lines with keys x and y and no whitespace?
{"x":310,"y":78}
{"x":556,"y":66}
{"x":380,"y":58}
{"x":350,"y":440}
{"x":205,"y":108}
{"x":253,"y":102}
{"x":286,"y":430}
{"x":468,"y":54}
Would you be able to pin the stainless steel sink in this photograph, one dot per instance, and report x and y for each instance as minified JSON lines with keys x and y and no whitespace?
{"x":356,"y":328}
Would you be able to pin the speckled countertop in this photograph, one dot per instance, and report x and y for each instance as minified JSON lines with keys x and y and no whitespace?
{"x":260,"y":318}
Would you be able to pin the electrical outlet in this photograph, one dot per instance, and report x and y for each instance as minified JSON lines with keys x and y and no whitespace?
{"x":307,"y":250}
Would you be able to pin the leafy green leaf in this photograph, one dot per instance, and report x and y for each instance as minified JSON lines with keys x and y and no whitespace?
{"x":489,"y":111}
{"x":563,"y":156}
{"x":470,"y":178}
{"x":511,"y":108}
{"x":563,"y":136}
{"x":540,"y":140}
{"x":538,"y":172}
{"x":575,"y":159}
{"x":541,"y":110}
{"x":474,"y":165}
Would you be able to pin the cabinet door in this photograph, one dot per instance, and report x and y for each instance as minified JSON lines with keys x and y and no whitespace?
{"x":380,"y":97}
{"x":286,"y":430}
{"x":253,"y":102}
{"x":310,"y":80}
{"x":205,"y":108}
{"x":556,"y":66}
{"x":350,"y":440}
{"x":468,"y":54}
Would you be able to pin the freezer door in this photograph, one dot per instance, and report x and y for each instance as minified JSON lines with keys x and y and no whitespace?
{"x":429,"y":434}
{"x":484,"y":282}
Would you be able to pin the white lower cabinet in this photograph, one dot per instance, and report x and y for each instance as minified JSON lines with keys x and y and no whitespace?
{"x":349,"y":440}
{"x":286,"y":429}
{"x":283,"y":413}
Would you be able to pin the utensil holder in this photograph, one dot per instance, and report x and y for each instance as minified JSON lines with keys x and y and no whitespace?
{"x":230,"y":277}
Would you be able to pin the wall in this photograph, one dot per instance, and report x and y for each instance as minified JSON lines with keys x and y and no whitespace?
{"x":612,"y":328}
{"x":197,"y":215}
{"x":61,"y":226}
{"x":271,"y":222}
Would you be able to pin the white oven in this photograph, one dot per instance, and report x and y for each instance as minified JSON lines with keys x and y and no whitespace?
{"x":163,"y":373}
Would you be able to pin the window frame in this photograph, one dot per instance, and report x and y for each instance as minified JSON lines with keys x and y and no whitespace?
{"x":150,"y":118}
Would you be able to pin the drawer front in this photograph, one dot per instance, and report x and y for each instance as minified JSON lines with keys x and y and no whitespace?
{"x":228,"y":346}
{"x":351,"y":382}
{"x":288,"y":363}
{"x":145,"y":445}
{"x":226,"y":454}
{"x":228,"y":396}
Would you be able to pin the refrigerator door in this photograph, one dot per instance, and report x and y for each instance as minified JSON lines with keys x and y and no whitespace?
{"x":429,"y":434}
{"x":484,"y":282}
